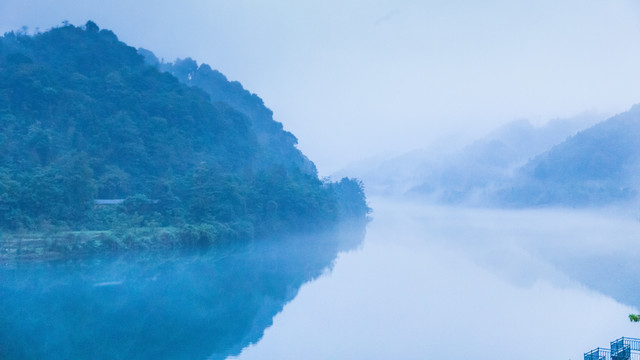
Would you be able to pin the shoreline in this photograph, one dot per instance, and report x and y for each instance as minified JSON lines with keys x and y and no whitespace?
{"x":73,"y":244}
{"x":62,"y":245}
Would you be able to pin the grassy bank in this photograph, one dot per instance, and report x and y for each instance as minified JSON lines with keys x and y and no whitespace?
{"x":69,"y":244}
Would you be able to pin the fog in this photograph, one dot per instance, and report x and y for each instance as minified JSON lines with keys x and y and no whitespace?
{"x":358,"y":78}
{"x":443,"y":172}
{"x":187,"y":304}
{"x":437,"y":282}
{"x":354,"y":80}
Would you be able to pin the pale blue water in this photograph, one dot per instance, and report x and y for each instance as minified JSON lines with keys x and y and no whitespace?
{"x":452,"y":283}
{"x":427,"y":282}
{"x":183,"y":305}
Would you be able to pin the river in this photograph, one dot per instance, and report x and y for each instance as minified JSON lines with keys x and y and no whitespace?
{"x":425,"y":282}
{"x":452,"y":283}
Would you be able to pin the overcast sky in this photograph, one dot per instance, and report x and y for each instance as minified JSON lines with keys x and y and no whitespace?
{"x":357,"y":78}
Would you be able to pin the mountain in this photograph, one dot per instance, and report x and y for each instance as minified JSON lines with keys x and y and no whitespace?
{"x":94,"y":138}
{"x":465,"y":174}
{"x":470,"y":174}
{"x":597,"y":166}
{"x":278,"y":144}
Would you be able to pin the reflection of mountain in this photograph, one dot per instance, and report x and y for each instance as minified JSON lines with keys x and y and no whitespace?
{"x":152,"y":306}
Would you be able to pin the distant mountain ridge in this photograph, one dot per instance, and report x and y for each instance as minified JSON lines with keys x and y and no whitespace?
{"x":518,"y":167}
{"x":599,"y":165}
{"x":468,"y":174}
{"x":577,"y":162}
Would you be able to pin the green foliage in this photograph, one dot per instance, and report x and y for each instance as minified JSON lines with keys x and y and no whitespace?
{"x":634,"y":317}
{"x":278,"y":145}
{"x":82,"y":117}
{"x":351,"y":198}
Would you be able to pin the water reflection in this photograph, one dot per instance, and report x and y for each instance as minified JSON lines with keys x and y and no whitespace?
{"x":452,"y":283}
{"x":188,"y":305}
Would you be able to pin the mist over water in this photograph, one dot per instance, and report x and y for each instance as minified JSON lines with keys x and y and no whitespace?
{"x":350,"y":80}
{"x":442,"y":282}
{"x":427,"y":281}
{"x":146,"y":305}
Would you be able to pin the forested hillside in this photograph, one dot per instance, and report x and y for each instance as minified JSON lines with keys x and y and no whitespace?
{"x":467,"y":175}
{"x":278,"y":145}
{"x":84,"y":119}
{"x":599,"y":165}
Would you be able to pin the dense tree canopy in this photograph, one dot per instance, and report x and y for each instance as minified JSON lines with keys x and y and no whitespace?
{"x":83,"y":117}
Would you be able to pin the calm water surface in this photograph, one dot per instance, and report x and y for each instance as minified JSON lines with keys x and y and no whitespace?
{"x":181,"y":305}
{"x":425,"y":282}
{"x":447,"y":283}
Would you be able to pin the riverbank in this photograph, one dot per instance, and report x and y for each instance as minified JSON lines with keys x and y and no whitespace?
{"x":54,"y":245}
{"x":183,"y":303}
{"x":72,"y":244}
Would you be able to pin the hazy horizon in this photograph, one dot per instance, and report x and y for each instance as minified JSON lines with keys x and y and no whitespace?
{"x":447,"y":282}
{"x":522,"y":244}
{"x":355,"y":79}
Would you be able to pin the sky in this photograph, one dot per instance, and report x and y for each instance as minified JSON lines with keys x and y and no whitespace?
{"x":354,"y":79}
